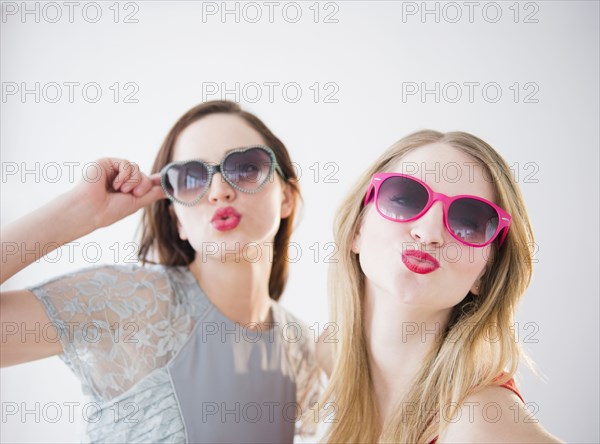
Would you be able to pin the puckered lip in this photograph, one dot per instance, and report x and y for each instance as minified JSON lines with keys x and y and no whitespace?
{"x":224,"y":213}
{"x":419,"y":261}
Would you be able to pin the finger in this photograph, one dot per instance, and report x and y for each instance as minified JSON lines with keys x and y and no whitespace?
{"x":154,"y":194}
{"x":155,"y":178}
{"x":143,"y":187}
{"x":121,"y":172}
{"x":147,"y":183}
{"x":132,"y":174}
{"x":134,"y":177}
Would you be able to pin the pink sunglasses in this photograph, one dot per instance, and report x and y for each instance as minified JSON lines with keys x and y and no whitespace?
{"x":471,"y":220}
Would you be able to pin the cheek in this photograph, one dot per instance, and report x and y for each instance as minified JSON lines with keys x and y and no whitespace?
{"x":379,"y":256}
{"x":470,"y":261}
{"x":464,"y":269}
{"x":190,"y":221}
{"x":262,"y":215}
{"x":266,"y":204}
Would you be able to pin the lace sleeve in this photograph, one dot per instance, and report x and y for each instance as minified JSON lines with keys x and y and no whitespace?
{"x":302,"y":355}
{"x":117,"y":323}
{"x":308,"y":385}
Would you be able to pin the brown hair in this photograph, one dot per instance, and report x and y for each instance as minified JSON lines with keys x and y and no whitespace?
{"x":159,"y":226}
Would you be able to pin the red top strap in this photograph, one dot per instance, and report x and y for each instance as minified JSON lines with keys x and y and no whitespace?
{"x":510,"y":384}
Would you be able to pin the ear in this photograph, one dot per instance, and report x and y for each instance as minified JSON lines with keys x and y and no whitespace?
{"x":477,"y":283}
{"x":180,"y":229}
{"x":287,"y":201}
{"x":356,"y":241}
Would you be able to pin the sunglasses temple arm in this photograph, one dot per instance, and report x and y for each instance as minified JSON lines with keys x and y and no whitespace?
{"x":504,"y":233}
{"x":279,"y":170}
{"x":369,"y":195}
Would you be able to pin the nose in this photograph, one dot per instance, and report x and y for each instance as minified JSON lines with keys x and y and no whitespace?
{"x":220,"y":190}
{"x":429,"y":228}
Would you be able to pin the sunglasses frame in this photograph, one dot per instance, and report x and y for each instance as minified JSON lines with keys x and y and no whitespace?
{"x":378,"y":179}
{"x":218,"y":168}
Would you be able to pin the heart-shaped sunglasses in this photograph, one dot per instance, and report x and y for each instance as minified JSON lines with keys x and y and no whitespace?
{"x":245,"y":169}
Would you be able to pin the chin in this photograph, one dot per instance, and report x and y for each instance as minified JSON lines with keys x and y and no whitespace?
{"x":408,"y":290}
{"x":408,"y":297}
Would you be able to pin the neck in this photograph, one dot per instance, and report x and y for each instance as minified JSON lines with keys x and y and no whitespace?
{"x":238,"y":288}
{"x":399,"y":336}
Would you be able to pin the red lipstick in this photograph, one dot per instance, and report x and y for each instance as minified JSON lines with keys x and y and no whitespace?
{"x":419,"y":262}
{"x":225,"y":219}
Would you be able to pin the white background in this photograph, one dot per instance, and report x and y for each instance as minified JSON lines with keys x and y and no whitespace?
{"x":175,"y":51}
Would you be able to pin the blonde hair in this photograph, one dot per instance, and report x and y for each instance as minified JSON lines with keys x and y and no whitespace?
{"x":464,"y":359}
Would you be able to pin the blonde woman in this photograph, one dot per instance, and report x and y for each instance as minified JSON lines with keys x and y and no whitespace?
{"x":434,"y":256}
{"x":192,"y":345}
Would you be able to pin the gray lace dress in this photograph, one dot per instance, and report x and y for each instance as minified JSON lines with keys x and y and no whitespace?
{"x":160,"y":363}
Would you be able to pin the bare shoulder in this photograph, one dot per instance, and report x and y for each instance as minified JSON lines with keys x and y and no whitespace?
{"x":22,"y":312}
{"x":495,"y":414}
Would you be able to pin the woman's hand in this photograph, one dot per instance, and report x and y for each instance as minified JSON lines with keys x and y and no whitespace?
{"x":115,"y":190}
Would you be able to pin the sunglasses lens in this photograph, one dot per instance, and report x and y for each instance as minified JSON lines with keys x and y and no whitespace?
{"x":248,"y":169}
{"x":472,"y":220}
{"x":401,"y":198}
{"x":186,"y":181}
